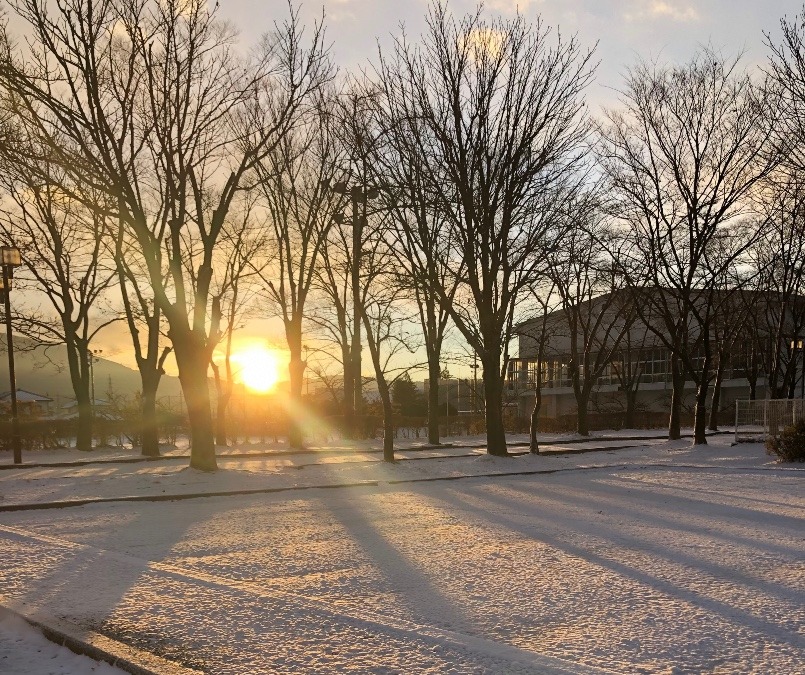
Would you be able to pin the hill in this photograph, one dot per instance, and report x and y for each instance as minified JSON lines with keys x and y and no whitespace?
{"x":45,"y":371}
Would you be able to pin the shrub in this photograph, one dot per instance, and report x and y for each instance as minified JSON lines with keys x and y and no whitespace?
{"x":789,"y":446}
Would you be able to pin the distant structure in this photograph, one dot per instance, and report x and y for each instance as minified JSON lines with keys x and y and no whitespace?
{"x":28,"y":402}
{"x":642,"y":362}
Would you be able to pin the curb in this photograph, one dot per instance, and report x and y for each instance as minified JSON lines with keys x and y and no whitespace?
{"x":67,"y":503}
{"x":39,"y":506}
{"x":99,"y":647}
{"x":323,"y":451}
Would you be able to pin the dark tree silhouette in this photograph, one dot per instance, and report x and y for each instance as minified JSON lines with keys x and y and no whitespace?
{"x":683,"y":156}
{"x":496,"y":111}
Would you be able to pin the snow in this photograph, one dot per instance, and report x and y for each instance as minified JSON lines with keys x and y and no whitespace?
{"x":23,"y":649}
{"x":661,"y":558}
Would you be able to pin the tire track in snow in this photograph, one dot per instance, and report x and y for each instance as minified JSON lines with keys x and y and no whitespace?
{"x":407,"y":630}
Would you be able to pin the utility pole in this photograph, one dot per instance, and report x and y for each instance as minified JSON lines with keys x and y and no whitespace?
{"x":359,"y":195}
{"x":10,"y":258}
{"x":475,"y":383}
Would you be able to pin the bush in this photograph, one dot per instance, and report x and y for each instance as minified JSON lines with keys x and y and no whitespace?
{"x":789,"y":446}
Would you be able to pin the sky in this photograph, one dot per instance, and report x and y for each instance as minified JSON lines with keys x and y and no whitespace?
{"x":622,"y":31}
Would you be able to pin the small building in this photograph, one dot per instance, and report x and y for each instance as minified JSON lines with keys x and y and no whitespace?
{"x":28,"y":403}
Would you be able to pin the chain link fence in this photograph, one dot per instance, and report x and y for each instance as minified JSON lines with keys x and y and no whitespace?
{"x":757,"y":421}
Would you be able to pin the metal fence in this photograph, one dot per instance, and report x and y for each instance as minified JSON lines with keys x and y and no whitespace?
{"x":757,"y":421}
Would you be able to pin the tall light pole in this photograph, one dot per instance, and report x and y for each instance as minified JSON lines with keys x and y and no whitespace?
{"x":93,"y":357}
{"x":474,"y":383}
{"x":10,"y":258}
{"x":359,"y":195}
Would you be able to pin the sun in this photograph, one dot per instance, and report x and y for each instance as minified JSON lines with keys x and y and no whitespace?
{"x":258,"y":368}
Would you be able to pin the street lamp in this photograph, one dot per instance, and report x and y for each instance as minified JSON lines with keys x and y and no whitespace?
{"x":359,"y":195}
{"x":10,"y":258}
{"x":93,"y":357}
{"x":474,"y":367}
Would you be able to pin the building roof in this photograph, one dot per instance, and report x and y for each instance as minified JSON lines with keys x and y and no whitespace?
{"x":24,"y":396}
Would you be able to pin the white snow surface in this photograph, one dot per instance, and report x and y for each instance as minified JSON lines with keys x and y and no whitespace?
{"x":23,"y":649}
{"x":663,"y":558}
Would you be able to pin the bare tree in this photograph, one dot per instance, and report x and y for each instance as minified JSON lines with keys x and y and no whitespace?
{"x":239,"y":251}
{"x":776,"y":312}
{"x":418,"y":230}
{"x":65,"y":260}
{"x":495,"y":110}
{"x":591,"y":301}
{"x":383,"y":303}
{"x":332,"y":315}
{"x":628,"y":364}
{"x":683,"y":155}
{"x":149,"y":101}
{"x":534,"y":334}
{"x":144,"y":319}
{"x":295,"y":179}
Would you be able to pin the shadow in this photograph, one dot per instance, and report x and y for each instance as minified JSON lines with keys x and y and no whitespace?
{"x":407,"y":584}
{"x":693,"y":504}
{"x":84,"y":564}
{"x":614,"y":509}
{"x":775,"y":632}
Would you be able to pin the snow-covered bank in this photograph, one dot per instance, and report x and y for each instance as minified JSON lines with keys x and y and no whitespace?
{"x":114,"y":480}
{"x":24,"y":650}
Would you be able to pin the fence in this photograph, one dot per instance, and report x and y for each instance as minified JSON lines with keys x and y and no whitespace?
{"x":756,"y":421}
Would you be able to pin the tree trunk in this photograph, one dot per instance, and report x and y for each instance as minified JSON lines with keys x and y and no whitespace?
{"x":700,"y":419}
{"x":631,"y":408}
{"x":296,"y":372}
{"x":349,"y":393}
{"x":715,"y":401}
{"x":149,"y":425}
{"x":533,"y":441}
{"x":495,"y":430}
{"x":388,"y":420}
{"x":83,"y":439}
{"x":193,"y":362}
{"x":434,"y":373}
{"x":677,"y":394}
{"x":582,"y":403}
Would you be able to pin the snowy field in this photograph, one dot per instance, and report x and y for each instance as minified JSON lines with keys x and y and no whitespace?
{"x":653,"y":559}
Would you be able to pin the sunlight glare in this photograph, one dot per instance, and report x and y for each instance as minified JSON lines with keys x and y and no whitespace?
{"x":258,"y":368}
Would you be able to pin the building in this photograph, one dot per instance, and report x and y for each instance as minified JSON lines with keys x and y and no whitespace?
{"x":640,"y":363}
{"x":28,"y":403}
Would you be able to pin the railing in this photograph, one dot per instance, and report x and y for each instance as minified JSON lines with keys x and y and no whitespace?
{"x":757,"y":421}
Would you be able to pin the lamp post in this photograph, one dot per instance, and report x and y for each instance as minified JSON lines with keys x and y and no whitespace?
{"x":10,"y":258}
{"x":475,"y":383}
{"x":359,"y":195}
{"x":94,"y":356}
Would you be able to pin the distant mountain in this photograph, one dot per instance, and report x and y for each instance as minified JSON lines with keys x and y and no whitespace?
{"x":45,"y":371}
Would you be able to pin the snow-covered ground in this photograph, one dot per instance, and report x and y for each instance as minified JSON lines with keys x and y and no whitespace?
{"x":656,"y":559}
{"x":23,"y":649}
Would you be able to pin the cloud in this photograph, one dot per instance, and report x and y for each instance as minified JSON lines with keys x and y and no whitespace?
{"x":511,"y":6}
{"x":659,"y":9}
